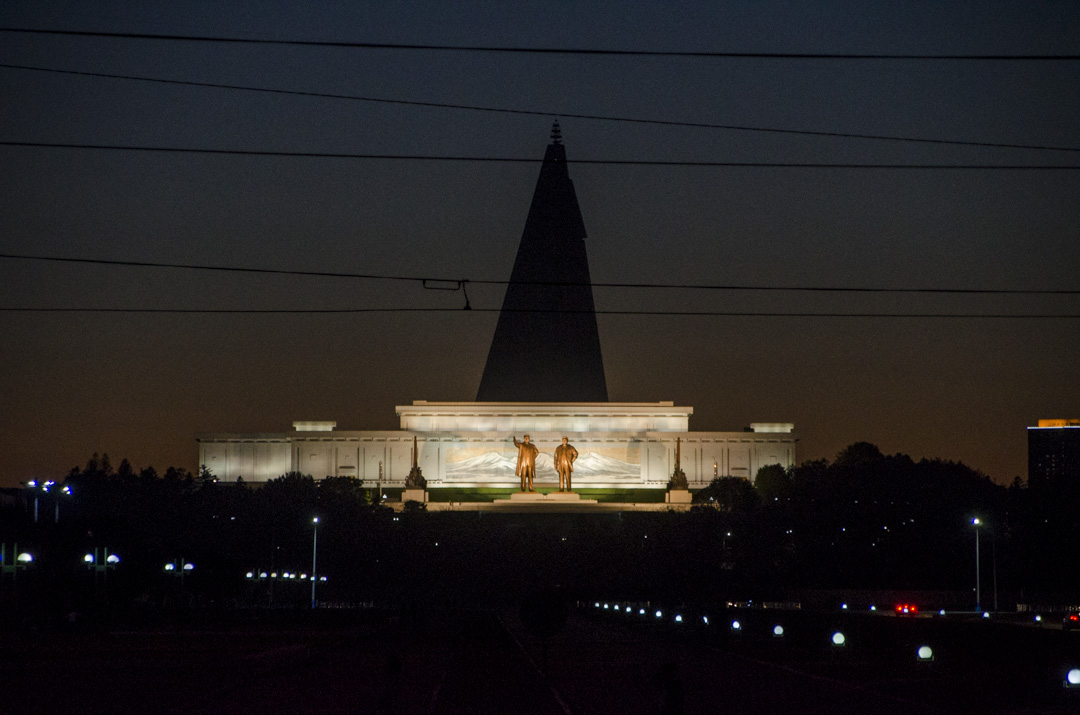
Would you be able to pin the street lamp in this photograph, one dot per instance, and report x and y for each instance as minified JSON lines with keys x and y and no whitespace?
{"x":14,"y":561}
{"x":180,"y":568}
{"x":38,"y":490}
{"x":315,"y":554}
{"x":100,"y":561}
{"x":978,"y":590}
{"x":66,"y":491}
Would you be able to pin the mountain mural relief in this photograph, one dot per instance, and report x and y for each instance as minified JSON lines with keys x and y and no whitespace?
{"x":498,"y":466}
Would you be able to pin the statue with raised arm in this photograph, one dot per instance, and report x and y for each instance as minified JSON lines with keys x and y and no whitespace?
{"x":565,"y":454}
{"x":526,"y":464}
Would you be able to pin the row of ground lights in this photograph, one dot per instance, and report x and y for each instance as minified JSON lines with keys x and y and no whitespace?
{"x":923,"y":653}
{"x":284,"y":575}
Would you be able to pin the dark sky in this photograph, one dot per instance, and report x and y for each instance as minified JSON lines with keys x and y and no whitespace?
{"x":143,"y":385}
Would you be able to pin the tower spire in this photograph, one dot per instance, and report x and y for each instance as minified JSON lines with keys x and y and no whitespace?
{"x":546,"y":346}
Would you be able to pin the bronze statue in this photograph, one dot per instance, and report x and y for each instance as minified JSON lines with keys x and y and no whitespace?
{"x":526,"y":464}
{"x":565,"y":454}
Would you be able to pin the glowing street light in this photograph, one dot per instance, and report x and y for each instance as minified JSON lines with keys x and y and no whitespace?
{"x":839,"y":639}
{"x":12,"y":562}
{"x":40,"y":489}
{"x":315,"y":550}
{"x":17,"y":561}
{"x":100,"y":561}
{"x":925,"y":654}
{"x":978,"y":590}
{"x":180,"y":567}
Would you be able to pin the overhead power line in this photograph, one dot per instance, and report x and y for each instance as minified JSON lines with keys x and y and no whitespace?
{"x":457,"y":283}
{"x":674,"y":313}
{"x":532,"y":160}
{"x":548,"y":50}
{"x":538,"y":113}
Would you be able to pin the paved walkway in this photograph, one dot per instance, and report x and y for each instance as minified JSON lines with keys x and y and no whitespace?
{"x":483,"y":662}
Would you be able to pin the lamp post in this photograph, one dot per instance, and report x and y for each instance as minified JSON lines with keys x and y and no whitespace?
{"x":38,"y":490}
{"x":314,"y":556}
{"x":993,"y":543}
{"x":14,"y":562}
{"x":179,"y":568}
{"x":978,"y":590}
{"x":101,"y":562}
{"x":66,"y":490}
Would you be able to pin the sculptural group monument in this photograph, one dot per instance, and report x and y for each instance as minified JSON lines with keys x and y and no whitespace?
{"x":553,"y":396}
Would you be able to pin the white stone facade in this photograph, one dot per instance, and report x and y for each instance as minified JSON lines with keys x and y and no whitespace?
{"x":468,"y":444}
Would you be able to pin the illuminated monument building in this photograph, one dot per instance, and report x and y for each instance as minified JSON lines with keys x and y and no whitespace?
{"x":1054,"y":455}
{"x":544,"y":377}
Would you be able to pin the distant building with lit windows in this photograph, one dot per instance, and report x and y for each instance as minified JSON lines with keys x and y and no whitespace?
{"x":1054,"y":454}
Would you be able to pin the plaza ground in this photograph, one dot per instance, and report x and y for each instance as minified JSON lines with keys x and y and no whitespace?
{"x":458,"y":661}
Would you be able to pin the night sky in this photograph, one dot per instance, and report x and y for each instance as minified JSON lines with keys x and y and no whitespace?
{"x":142,"y":386}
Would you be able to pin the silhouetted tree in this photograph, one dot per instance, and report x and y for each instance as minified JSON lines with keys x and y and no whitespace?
{"x":773,"y":483}
{"x":729,"y":494}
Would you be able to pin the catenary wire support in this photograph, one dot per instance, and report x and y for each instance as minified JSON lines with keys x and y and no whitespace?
{"x":434,"y":284}
{"x":465,"y":293}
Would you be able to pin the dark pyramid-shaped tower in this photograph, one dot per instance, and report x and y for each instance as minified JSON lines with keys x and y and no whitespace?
{"x":552,"y":354}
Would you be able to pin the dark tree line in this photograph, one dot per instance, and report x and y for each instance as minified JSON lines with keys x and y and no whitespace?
{"x":869,"y":520}
{"x":863,"y":520}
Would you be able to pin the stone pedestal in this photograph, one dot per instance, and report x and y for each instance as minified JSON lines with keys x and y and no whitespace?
{"x":419,"y":495}
{"x":549,"y":498}
{"x":678,"y":496}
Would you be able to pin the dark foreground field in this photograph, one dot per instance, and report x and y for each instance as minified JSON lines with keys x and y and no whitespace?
{"x":487,"y":662}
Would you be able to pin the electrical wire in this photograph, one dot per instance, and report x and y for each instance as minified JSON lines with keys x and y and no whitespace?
{"x":457,"y":284}
{"x":537,"y":113}
{"x":666,"y":313}
{"x":530,"y":160}
{"x":547,"y":50}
